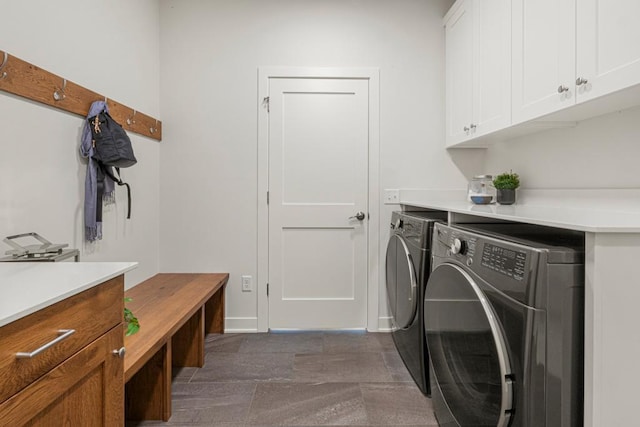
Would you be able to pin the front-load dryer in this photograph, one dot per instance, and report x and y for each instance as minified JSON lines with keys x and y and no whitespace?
{"x":408,"y":264}
{"x":504,"y":321}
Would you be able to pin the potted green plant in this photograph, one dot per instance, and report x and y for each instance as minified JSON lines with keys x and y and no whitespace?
{"x":130,"y":320}
{"x":506,"y":184}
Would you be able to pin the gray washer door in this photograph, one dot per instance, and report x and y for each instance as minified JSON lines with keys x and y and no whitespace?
{"x":467,"y":349}
{"x":402,"y":283}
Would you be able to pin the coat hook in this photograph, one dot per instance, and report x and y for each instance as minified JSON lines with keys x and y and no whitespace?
{"x":4,"y":62}
{"x":59,"y":95}
{"x":132,"y":119}
{"x":154,"y":129}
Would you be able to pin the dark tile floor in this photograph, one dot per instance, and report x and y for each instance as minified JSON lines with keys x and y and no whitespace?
{"x":298,"y":379}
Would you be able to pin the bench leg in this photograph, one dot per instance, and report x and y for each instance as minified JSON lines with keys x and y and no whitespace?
{"x":188,"y":342}
{"x":148,"y":392}
{"x":214,"y":311}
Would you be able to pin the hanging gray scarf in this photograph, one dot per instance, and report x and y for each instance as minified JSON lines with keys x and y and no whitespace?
{"x":93,"y":228}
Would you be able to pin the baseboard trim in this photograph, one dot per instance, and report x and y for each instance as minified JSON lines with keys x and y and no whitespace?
{"x":250,"y":324}
{"x":384,"y":324}
{"x":241,"y":324}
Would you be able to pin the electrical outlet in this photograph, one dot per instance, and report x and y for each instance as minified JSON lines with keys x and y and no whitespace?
{"x":246,"y":284}
{"x":391,"y":197}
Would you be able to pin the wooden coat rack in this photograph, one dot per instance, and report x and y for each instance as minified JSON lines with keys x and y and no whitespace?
{"x":29,"y":81}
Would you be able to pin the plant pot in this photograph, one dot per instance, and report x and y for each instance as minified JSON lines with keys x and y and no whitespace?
{"x":506,"y":196}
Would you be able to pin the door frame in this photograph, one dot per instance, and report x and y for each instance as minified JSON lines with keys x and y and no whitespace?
{"x":373,"y":239}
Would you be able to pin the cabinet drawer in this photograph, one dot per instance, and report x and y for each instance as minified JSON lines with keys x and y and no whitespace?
{"x":85,"y":390}
{"x":90,"y":313}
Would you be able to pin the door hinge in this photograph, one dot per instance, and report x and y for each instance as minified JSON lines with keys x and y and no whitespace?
{"x":267,"y":197}
{"x":267,"y":289}
{"x":265,"y":103}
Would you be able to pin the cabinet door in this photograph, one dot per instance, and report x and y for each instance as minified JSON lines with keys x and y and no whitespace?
{"x":492,"y":66}
{"x":543,"y":57}
{"x":459,"y":72}
{"x":86,"y":390}
{"x":608,"y":46}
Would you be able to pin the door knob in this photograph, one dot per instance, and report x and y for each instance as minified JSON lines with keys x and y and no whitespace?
{"x":359,"y":216}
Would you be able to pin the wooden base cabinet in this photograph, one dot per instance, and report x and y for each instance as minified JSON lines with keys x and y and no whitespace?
{"x":86,"y":388}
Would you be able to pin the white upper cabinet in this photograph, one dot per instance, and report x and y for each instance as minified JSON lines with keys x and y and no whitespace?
{"x":608,"y":43}
{"x":459,"y":73}
{"x":566,"y":52}
{"x":492,"y":66}
{"x":543,"y":57}
{"x":478,"y":68}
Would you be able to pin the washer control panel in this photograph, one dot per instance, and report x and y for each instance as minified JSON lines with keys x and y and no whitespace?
{"x":483,"y":254}
{"x":508,"y":266}
{"x":506,"y":261}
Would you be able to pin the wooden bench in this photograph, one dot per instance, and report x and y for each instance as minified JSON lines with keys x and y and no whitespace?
{"x":175,"y":311}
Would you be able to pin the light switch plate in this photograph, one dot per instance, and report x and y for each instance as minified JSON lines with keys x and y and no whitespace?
{"x":391,"y":197}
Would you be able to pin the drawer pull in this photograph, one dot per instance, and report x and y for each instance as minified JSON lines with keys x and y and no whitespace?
{"x":66,"y":333}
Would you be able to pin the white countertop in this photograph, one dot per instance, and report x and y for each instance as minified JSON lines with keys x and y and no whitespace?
{"x":595,"y":211}
{"x":26,"y":287}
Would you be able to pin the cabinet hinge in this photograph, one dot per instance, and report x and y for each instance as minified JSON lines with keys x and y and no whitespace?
{"x":267,"y":289}
{"x":265,"y":103}
{"x":267,"y":197}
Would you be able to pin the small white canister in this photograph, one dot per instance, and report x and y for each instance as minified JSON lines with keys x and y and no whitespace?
{"x":481,"y":190}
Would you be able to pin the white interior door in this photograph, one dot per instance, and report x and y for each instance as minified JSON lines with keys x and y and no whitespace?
{"x":318,"y":172}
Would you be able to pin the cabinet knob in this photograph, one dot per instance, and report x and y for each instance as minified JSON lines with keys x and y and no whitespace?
{"x":472,"y":126}
{"x":562,"y":88}
{"x":466,"y":129}
{"x":120,"y":353}
{"x":580,"y":81}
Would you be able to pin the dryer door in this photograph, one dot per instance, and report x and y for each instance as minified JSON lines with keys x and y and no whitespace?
{"x":402,"y":283}
{"x":467,"y":348}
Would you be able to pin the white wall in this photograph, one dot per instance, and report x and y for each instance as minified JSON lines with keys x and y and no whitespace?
{"x":602,"y":152}
{"x":109,"y":47}
{"x":200,"y":59}
{"x":210,"y":54}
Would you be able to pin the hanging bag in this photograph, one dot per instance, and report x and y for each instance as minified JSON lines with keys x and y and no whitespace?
{"x":112,"y":150}
{"x":112,"y":146}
